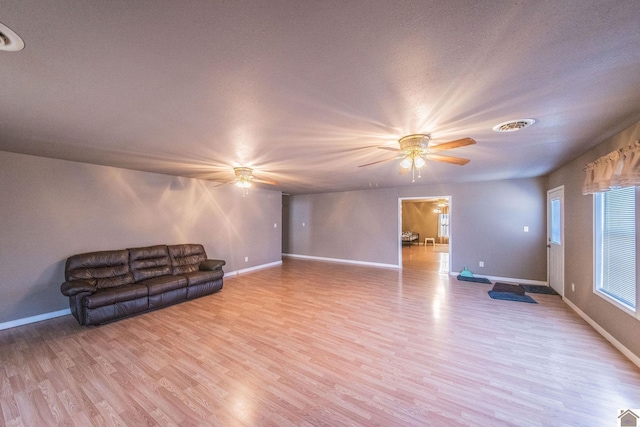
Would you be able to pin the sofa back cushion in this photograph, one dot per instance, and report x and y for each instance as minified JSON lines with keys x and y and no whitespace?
{"x":186,"y":258}
{"x":149,"y":262}
{"x":104,"y":269}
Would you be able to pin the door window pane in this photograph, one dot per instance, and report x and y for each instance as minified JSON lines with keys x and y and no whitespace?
{"x":556,"y":230}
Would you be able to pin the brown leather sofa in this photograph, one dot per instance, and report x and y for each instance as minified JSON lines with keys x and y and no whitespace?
{"x":109,"y":285}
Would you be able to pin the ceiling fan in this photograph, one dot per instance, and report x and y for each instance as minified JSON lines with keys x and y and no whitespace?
{"x":415,"y":151}
{"x":245,"y":179}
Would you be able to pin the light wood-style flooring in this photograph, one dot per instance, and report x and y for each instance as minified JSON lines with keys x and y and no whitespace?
{"x":323,"y":344}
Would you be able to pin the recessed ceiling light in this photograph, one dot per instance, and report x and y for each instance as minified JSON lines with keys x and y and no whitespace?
{"x":513,"y":125}
{"x":9,"y":40}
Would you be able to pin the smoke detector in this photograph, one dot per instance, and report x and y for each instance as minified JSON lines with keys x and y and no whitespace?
{"x":9,"y":40}
{"x":513,"y":125}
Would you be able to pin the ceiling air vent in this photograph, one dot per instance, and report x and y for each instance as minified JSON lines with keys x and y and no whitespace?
{"x":513,"y":125}
{"x":9,"y":40}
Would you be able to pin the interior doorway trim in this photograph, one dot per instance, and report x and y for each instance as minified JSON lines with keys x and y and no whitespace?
{"x":449,"y":199}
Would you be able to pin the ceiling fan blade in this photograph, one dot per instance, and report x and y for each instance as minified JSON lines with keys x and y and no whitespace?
{"x":264,"y":181}
{"x":453,"y":144}
{"x":381,"y":161}
{"x":390,"y":149}
{"x":448,"y":159}
{"x":223,"y":183}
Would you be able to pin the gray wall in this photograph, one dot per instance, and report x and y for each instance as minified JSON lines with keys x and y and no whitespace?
{"x":51,"y":209}
{"x":487,"y":220}
{"x":579,"y":244}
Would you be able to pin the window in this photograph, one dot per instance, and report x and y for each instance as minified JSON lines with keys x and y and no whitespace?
{"x":615,"y":246}
{"x":443,"y":225}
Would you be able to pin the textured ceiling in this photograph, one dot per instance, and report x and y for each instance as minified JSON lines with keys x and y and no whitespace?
{"x":304,"y":92}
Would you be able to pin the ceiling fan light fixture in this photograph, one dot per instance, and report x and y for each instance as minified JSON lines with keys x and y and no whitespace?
{"x":415,"y":142}
{"x":244,"y":178}
{"x":243,"y":183}
{"x":414,"y":147}
{"x":406,"y":163}
{"x":513,"y":125}
{"x":419,"y":162}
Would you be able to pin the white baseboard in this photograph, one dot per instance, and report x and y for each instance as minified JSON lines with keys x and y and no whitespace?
{"x":34,"y":319}
{"x":617,"y":344}
{"x":46,"y":316}
{"x":509,"y":279}
{"x":343,"y":261}
{"x":257,"y":267}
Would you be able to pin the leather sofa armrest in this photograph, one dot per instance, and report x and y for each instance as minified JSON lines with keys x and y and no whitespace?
{"x":211,"y":264}
{"x":74,"y":287}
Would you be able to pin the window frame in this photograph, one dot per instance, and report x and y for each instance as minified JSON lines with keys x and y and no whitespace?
{"x":597,"y":242}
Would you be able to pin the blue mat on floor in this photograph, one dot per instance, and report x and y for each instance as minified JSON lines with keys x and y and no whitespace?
{"x":474,"y":279}
{"x":539,"y":289}
{"x":510,"y":296}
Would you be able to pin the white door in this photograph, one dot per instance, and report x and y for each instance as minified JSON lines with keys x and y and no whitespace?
{"x":555,"y":239}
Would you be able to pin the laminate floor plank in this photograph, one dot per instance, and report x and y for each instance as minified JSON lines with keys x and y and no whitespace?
{"x":313,"y":343}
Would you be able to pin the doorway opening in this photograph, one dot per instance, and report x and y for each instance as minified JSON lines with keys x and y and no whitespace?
{"x":424,"y":232}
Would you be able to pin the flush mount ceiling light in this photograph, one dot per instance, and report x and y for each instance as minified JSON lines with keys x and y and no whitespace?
{"x":513,"y":125}
{"x":9,"y":40}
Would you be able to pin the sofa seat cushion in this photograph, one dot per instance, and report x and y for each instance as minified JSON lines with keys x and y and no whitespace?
{"x":199,"y":277}
{"x":162,"y":284}
{"x":109,"y":296}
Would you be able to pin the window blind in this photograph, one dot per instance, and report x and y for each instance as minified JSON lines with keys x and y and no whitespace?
{"x":618,"y":245}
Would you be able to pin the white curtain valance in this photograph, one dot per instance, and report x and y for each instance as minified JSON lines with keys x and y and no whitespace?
{"x":630,"y":174}
{"x":618,"y":169}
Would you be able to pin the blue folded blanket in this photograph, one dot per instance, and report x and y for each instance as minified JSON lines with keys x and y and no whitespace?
{"x":474,"y":279}
{"x":510,"y":296}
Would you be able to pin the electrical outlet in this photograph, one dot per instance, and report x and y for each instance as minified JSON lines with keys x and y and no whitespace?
{"x":573,"y":287}
{"x":246,"y":259}
{"x":275,"y":225}
{"x":526,"y":228}
{"x":481,"y":264}
{"x":303,"y":224}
